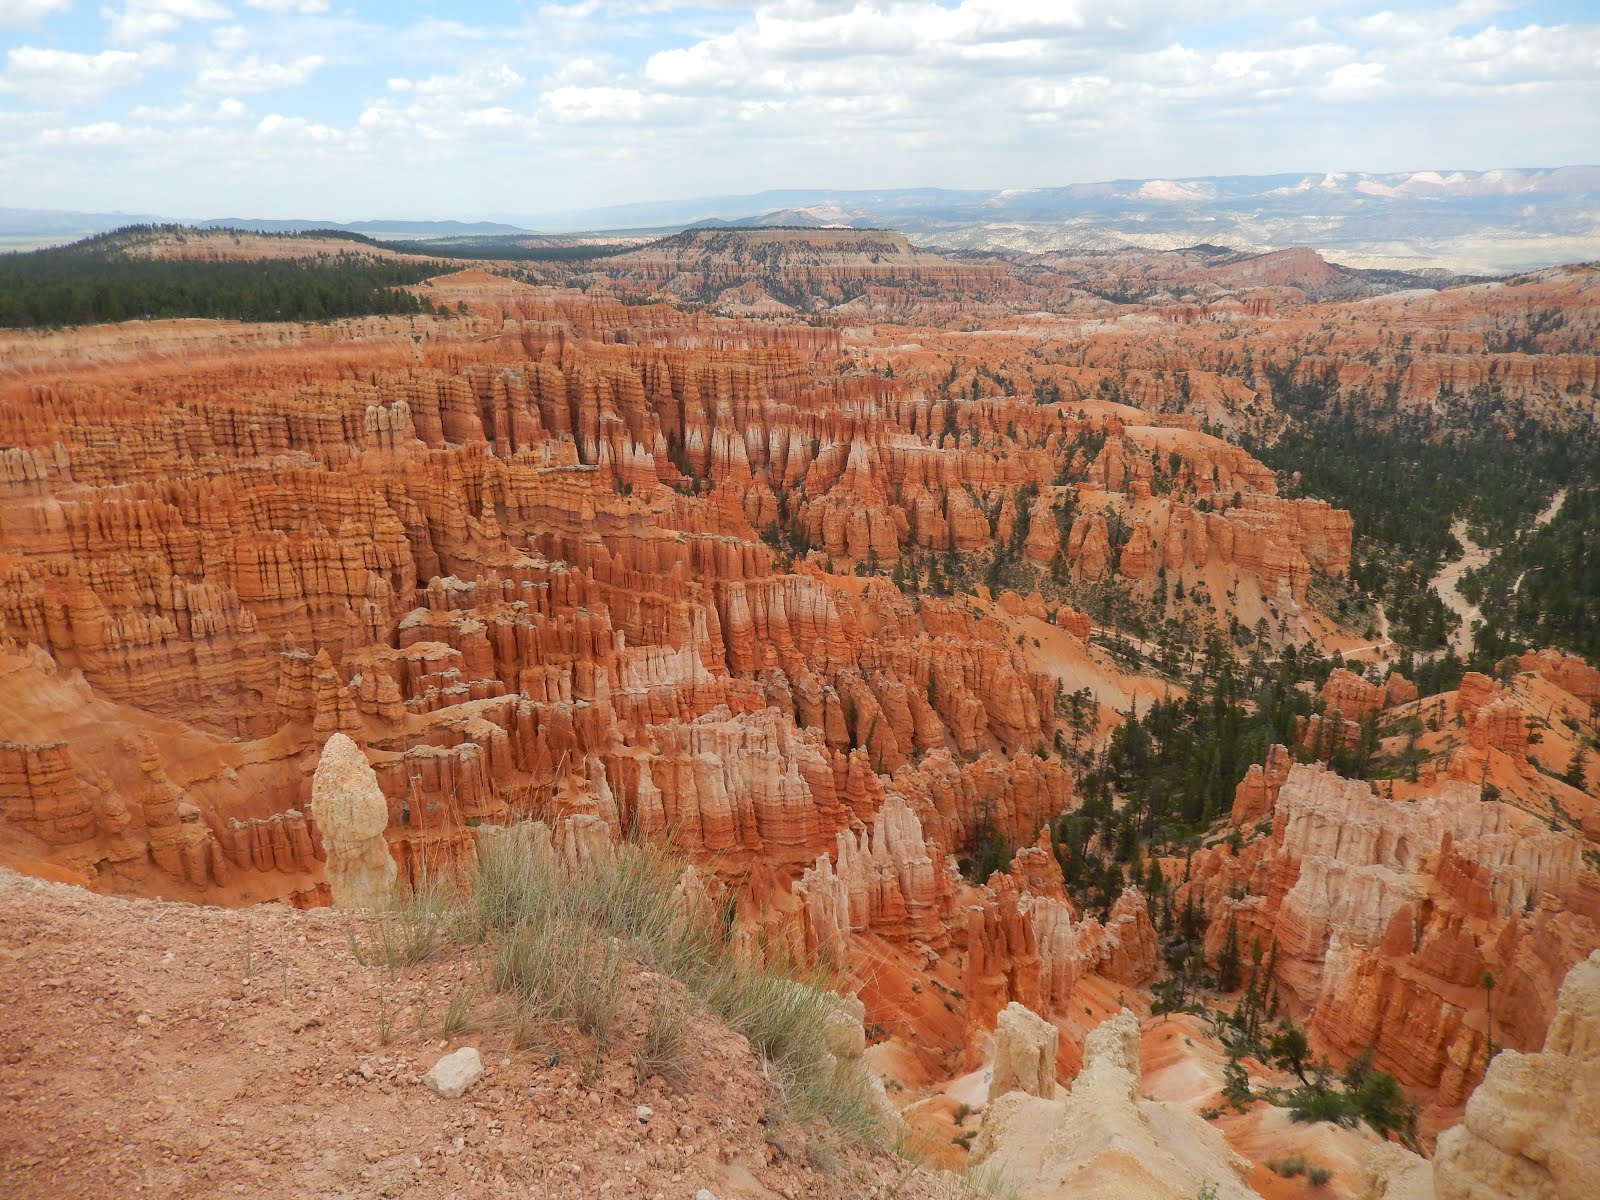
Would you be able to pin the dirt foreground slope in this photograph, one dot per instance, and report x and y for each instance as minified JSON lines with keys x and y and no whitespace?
{"x":163,"y":1049}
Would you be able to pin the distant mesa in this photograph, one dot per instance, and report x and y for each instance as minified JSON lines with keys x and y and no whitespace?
{"x":1471,"y":221}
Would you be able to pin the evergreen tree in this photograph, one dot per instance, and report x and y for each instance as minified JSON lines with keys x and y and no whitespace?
{"x":1228,"y":960}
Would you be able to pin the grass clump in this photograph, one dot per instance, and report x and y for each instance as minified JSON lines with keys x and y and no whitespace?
{"x":558,"y":940}
{"x":420,"y":928}
{"x":559,"y":970}
{"x":984,"y":1182}
{"x":663,"y":1051}
{"x":458,"y":1014}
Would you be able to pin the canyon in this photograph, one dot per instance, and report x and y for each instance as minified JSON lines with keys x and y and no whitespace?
{"x":831,"y":564}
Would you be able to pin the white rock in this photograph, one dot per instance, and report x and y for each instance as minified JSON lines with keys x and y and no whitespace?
{"x":705,"y":1194}
{"x":643,"y":1113}
{"x":453,"y":1074}
{"x":1024,"y":1053}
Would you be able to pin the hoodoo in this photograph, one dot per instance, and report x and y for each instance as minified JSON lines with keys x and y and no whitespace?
{"x":351,"y":814}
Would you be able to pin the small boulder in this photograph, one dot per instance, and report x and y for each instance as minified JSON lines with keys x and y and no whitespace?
{"x":453,"y":1074}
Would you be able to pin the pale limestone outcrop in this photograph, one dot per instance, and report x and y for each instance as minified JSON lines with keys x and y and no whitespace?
{"x":1532,"y":1128}
{"x":1392,"y":1172}
{"x":883,"y":880}
{"x":846,"y":1037}
{"x":1100,"y":1142}
{"x":1024,"y":1054}
{"x":352,"y":815}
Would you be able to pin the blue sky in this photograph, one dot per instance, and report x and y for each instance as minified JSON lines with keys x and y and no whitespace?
{"x":315,"y":108}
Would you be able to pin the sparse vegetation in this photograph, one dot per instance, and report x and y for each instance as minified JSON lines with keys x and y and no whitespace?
{"x":665,"y":1046}
{"x":1360,"y":1094}
{"x":559,"y":943}
{"x":1288,"y":1167}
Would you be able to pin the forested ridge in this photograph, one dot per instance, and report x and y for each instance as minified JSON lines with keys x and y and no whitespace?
{"x":1543,"y":588}
{"x":1407,"y":475}
{"x":99,"y":280}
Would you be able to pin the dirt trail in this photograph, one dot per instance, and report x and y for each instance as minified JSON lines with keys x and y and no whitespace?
{"x":1447,"y":583}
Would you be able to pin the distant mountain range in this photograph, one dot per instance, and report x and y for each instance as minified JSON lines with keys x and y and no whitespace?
{"x":1503,"y":220}
{"x":1473,"y":220}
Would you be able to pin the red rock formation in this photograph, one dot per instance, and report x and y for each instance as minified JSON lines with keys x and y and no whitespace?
{"x":1032,"y":950}
{"x":1350,"y":696}
{"x":1257,"y":793}
{"x":601,"y":563}
{"x":1385,"y":915}
{"x":1074,"y":622}
{"x":1571,"y":674}
{"x":1501,"y":725}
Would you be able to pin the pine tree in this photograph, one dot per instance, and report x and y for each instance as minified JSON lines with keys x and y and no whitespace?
{"x":1574,"y":774}
{"x":1228,"y":960}
{"x":1290,"y":1049}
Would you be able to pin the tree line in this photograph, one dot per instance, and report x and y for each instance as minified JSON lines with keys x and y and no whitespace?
{"x":98,"y":280}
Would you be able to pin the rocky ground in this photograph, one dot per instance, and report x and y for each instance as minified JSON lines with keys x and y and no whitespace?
{"x":169,"y":1050}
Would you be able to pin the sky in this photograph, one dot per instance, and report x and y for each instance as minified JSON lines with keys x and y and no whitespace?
{"x":317,"y":109}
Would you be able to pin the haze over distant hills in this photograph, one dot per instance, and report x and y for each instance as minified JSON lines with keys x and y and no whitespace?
{"x":1477,"y":220}
{"x":1499,"y":220}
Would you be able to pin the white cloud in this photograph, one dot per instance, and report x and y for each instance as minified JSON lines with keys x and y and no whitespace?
{"x":42,"y":74}
{"x":439,"y":107}
{"x":276,"y":125}
{"x":1082,"y":94}
{"x":26,"y":14}
{"x":1355,"y":81}
{"x":138,"y":21}
{"x":583,"y":70}
{"x":596,"y":105}
{"x":99,"y":131}
{"x":303,"y":7}
{"x":254,"y":74}
{"x":229,"y":108}
{"x":1533,"y":53}
{"x":476,"y":85}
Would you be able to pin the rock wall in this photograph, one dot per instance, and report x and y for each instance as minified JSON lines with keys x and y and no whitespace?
{"x":1532,"y":1128}
{"x":1383,"y":916}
